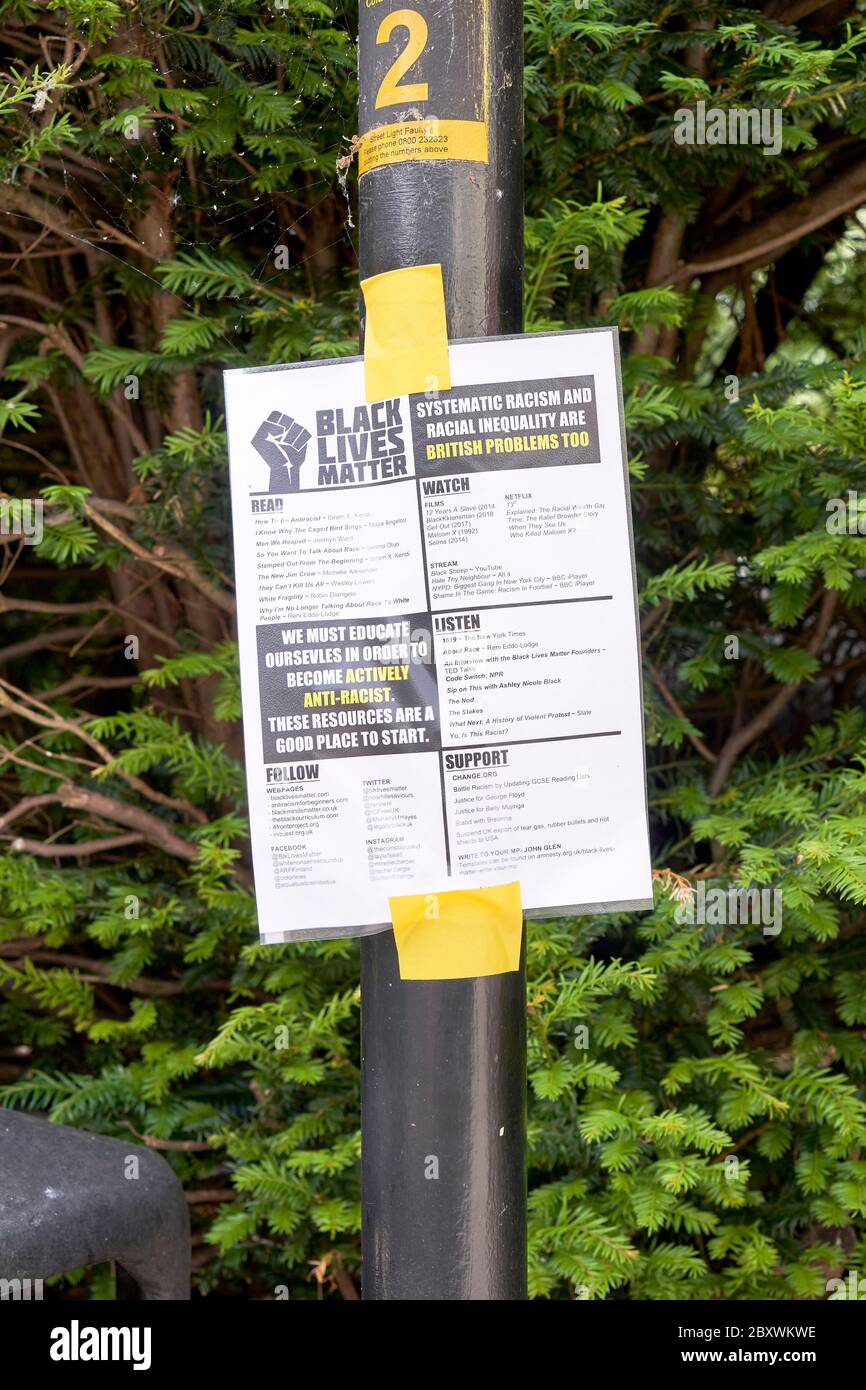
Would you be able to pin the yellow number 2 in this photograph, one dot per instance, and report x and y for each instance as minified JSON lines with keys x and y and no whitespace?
{"x":390,"y":92}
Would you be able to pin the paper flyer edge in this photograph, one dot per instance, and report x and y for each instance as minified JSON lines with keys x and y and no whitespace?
{"x":290,"y":937}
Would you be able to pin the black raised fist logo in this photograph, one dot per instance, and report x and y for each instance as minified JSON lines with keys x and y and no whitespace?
{"x":282,"y":443}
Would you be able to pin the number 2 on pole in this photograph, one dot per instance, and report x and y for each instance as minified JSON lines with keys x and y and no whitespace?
{"x":390,"y":92}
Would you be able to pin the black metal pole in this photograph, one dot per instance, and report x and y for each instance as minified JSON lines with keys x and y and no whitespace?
{"x":444,"y":1063}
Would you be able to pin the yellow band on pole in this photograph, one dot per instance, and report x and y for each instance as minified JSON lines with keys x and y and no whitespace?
{"x":430,"y":139}
{"x":406,"y":334}
{"x":459,"y":934}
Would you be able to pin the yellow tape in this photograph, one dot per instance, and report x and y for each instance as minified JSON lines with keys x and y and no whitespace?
{"x":406,"y":335}
{"x":430,"y":139}
{"x":460,"y":934}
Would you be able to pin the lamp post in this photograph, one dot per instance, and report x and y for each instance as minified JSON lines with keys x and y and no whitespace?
{"x":444,"y":1062}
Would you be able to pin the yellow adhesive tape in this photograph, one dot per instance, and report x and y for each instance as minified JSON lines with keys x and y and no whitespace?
{"x":406,"y":335}
{"x":460,"y":934}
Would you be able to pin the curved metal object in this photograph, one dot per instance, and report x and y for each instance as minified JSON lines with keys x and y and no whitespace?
{"x":69,"y":1198}
{"x":444,"y":1063}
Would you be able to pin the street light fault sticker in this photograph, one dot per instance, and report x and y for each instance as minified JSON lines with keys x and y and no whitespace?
{"x":438,"y":639}
{"x":423,"y":79}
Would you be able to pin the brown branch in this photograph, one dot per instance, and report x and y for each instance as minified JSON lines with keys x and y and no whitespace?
{"x":179,"y":564}
{"x":764,"y":240}
{"x":741,"y":739}
{"x":651,"y":618}
{"x":45,"y":214}
{"x":108,"y":504}
{"x":15,"y":951}
{"x":674,"y":705}
{"x":151,"y":828}
{"x":667,"y":243}
{"x":142,"y":623}
{"x":44,"y":849}
{"x":76,"y":635}
{"x":25,"y":605}
{"x":741,"y":1142}
{"x":52,"y":720}
{"x":177,"y":1145}
{"x":90,"y":683}
{"x":789,"y":11}
{"x":344,"y":1281}
{"x":56,"y":334}
{"x":173,"y":1145}
{"x":25,"y":806}
{"x":61,"y":635}
{"x":18,"y":202}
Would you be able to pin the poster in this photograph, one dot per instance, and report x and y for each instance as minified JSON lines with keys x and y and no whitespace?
{"x":438,"y":635}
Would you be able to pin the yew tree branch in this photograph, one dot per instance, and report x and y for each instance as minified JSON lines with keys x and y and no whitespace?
{"x":742,"y":738}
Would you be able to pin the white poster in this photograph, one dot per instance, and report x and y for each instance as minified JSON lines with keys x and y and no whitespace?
{"x":438,"y":635}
